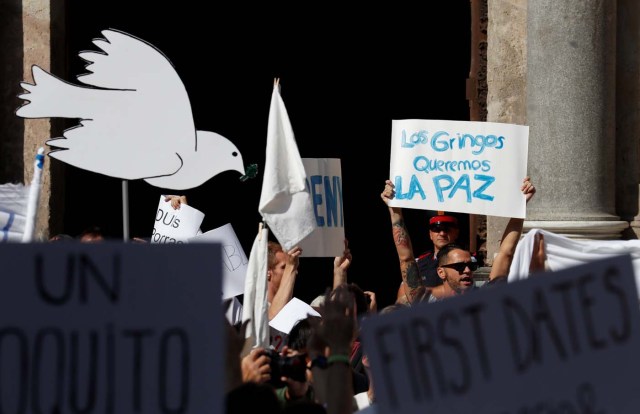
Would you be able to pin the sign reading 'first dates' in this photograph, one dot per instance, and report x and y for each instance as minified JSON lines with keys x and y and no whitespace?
{"x":563,"y":342}
{"x":110,"y":328}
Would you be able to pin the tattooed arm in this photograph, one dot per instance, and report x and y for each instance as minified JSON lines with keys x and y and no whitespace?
{"x":408,"y":266}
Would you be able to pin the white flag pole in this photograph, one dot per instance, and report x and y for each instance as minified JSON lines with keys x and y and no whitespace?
{"x":125,"y":210}
{"x":34,"y":197}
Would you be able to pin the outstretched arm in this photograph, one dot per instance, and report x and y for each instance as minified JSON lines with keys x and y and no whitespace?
{"x":285,"y":291}
{"x":408,"y":266}
{"x":340,"y":266}
{"x":511,"y":237}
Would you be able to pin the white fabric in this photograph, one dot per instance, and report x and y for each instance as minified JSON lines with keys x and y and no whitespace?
{"x":255,"y":305}
{"x":14,"y":200}
{"x":234,"y":312}
{"x":362,"y":400}
{"x":285,"y":204}
{"x":563,"y":252}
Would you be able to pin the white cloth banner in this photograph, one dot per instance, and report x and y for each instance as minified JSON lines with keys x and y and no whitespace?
{"x":467,"y":167}
{"x":285,"y":204}
{"x":254,"y":304}
{"x":563,"y":252}
{"x":234,"y":259}
{"x":175,"y":226}
{"x":324,"y":184}
{"x":14,"y":199}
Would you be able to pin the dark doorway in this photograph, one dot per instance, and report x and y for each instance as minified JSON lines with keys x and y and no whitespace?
{"x":344,"y":75}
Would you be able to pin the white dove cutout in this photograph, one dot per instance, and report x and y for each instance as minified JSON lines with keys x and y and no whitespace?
{"x":135,"y":118}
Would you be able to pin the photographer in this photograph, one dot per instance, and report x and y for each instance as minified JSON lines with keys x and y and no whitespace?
{"x":296,"y":382}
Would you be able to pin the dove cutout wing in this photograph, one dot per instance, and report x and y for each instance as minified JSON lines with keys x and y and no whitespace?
{"x":135,"y":119}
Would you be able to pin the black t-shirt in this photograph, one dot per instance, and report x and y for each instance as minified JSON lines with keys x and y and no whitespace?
{"x":427,"y":265}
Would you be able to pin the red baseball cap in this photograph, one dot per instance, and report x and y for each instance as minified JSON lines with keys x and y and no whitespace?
{"x":443,"y":219}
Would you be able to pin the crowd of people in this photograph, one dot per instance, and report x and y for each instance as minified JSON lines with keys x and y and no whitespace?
{"x":323,"y":367}
{"x":337,"y":378}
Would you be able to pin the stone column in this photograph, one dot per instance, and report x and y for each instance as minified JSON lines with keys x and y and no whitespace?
{"x":506,"y":81}
{"x":571,"y":114}
{"x":628,"y":114}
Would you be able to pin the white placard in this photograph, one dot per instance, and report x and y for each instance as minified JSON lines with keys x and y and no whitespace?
{"x":467,"y":167}
{"x":324,"y":184}
{"x":291,"y":313}
{"x":234,"y":259}
{"x":562,"y":342}
{"x":110,"y":328}
{"x":175,"y":226}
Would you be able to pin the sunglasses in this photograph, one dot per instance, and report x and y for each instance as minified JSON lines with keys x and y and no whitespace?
{"x":461,"y":266}
{"x":437,"y":228}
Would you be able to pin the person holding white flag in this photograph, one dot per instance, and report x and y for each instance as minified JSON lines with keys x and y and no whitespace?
{"x":286,"y":208}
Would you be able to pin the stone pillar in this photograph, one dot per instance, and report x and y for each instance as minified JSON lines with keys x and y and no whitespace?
{"x":571,"y":114}
{"x":506,"y":80}
{"x":628,"y":114}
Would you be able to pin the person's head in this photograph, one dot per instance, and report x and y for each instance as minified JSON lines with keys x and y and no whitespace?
{"x":300,"y":334}
{"x":61,"y":237}
{"x":361,"y":300}
{"x":443,"y":230}
{"x":276,"y":262}
{"x":456,"y":267}
{"x":91,"y":235}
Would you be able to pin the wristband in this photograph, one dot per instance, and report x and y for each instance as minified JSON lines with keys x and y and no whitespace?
{"x":320,"y":361}
{"x":338,"y":358}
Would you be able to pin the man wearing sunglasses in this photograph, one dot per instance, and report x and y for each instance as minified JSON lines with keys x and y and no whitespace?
{"x":443,"y":229}
{"x":455,"y":269}
{"x":413,"y":283}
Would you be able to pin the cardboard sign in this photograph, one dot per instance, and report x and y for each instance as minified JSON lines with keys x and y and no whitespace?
{"x":564,"y":342}
{"x":324,"y":184}
{"x":234,"y":259}
{"x":468,"y":167}
{"x":175,"y":226}
{"x":110,"y":328}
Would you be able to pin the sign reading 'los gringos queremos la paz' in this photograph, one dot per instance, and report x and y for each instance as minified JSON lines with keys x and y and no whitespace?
{"x":468,"y":167}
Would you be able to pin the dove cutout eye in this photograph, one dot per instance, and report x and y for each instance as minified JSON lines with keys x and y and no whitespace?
{"x":135,"y":119}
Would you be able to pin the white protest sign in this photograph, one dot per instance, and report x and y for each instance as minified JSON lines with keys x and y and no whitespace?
{"x":281,"y":325}
{"x":110,"y":328}
{"x":468,"y":167}
{"x":564,"y":342}
{"x":175,"y":225}
{"x":14,"y":199}
{"x":233,"y":257}
{"x":324,"y":184}
{"x":290,"y":314}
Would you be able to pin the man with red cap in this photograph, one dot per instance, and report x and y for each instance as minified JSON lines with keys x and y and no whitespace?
{"x":443,"y":230}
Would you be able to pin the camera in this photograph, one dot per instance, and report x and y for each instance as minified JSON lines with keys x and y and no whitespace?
{"x":294,"y":367}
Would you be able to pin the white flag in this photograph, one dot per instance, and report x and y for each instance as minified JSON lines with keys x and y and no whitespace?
{"x":255,"y":306}
{"x":285,"y":204}
{"x":14,"y":199}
